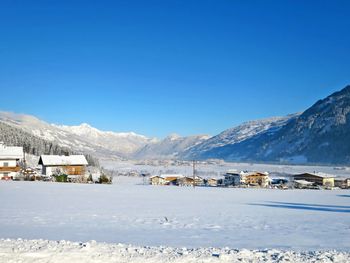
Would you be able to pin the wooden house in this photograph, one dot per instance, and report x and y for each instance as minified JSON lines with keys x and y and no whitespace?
{"x":321,"y":179}
{"x":189,"y":181}
{"x":255,"y":179}
{"x":157,"y":180}
{"x":69,"y":165}
{"x":165,"y":179}
{"x":10,"y":158}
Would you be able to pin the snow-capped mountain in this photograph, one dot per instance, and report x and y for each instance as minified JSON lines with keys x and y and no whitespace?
{"x":82,"y":138}
{"x":171,"y":147}
{"x":237,"y":134}
{"x":124,"y":143}
{"x":321,"y":134}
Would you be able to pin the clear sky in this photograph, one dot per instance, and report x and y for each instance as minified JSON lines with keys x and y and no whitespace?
{"x":158,"y":67}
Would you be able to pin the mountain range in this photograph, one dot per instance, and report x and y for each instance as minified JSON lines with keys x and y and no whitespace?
{"x":320,"y":135}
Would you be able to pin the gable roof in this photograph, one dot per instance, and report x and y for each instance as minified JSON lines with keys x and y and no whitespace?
{"x":62,"y":160}
{"x":11,"y":152}
{"x":317,"y":174}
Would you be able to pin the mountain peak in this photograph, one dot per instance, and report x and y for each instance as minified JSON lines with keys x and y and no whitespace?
{"x":85,"y":125}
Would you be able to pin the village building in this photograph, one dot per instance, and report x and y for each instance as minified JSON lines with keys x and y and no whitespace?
{"x":255,"y":179}
{"x":303,"y":184}
{"x":320,"y":179}
{"x":165,"y":179}
{"x":343,"y":183}
{"x":232,"y":178}
{"x":212,"y":182}
{"x":72,"y":165}
{"x":10,"y":158}
{"x":189,"y":181}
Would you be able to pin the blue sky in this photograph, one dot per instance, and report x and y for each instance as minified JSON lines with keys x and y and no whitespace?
{"x":158,"y":67}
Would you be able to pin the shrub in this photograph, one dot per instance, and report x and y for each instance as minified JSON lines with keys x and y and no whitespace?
{"x":62,"y":178}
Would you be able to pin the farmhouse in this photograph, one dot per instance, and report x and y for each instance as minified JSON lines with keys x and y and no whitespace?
{"x":316,"y":178}
{"x":188,"y":181}
{"x":10,"y":158}
{"x":255,"y":179}
{"x":165,"y":179}
{"x":70,"y":165}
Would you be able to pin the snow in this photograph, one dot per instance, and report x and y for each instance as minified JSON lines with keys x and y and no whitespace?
{"x":10,"y":152}
{"x":63,"y":160}
{"x":143,"y":215}
{"x":170,"y":223}
{"x":31,"y":251}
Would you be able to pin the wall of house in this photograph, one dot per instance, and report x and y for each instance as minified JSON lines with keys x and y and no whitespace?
{"x":260,"y":180}
{"x":67,"y":169}
{"x":5,"y":175}
{"x":310,"y":178}
{"x":11,"y":162}
{"x":328,"y":182}
{"x":157,"y":181}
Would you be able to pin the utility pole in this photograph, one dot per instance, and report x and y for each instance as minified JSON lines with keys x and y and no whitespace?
{"x":194,"y":173}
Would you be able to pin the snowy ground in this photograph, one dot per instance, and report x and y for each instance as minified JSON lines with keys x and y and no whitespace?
{"x":34,"y":251}
{"x":142,"y":215}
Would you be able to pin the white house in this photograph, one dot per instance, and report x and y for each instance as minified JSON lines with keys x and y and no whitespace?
{"x":232,"y":178}
{"x":70,"y":165}
{"x":10,"y":157}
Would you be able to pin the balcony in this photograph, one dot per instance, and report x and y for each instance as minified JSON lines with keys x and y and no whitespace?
{"x":9,"y":169}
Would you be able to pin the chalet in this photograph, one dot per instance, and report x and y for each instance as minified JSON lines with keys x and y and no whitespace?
{"x":189,"y":181}
{"x":165,"y":179}
{"x":10,"y":158}
{"x":321,"y":179}
{"x":255,"y":179}
{"x":69,"y":165}
{"x":157,"y":180}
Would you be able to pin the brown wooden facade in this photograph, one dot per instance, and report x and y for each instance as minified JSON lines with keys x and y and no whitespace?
{"x":5,"y":169}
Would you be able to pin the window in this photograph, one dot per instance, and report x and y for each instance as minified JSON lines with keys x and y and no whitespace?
{"x":6,"y":164}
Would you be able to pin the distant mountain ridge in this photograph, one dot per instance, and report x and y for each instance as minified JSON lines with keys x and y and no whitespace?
{"x":320,"y":134}
{"x":171,"y":147}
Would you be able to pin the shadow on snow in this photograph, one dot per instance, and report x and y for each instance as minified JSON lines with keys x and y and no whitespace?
{"x":303,"y":206}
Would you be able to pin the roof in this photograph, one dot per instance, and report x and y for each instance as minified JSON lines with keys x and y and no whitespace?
{"x":317,"y":174}
{"x":254,"y":174}
{"x":62,"y":160}
{"x":11,"y":152}
{"x":163,"y":176}
{"x":303,"y":182}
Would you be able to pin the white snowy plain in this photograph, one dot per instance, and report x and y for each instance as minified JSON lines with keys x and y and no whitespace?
{"x":169,"y":223}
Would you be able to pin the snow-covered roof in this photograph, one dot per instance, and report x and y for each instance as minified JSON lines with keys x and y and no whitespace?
{"x":303,"y":182}
{"x":171,"y":175}
{"x":11,"y":152}
{"x":62,"y":160}
{"x":318,"y":174}
{"x":163,"y":176}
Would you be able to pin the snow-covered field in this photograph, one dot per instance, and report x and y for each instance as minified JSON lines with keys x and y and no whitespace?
{"x":142,"y":215}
